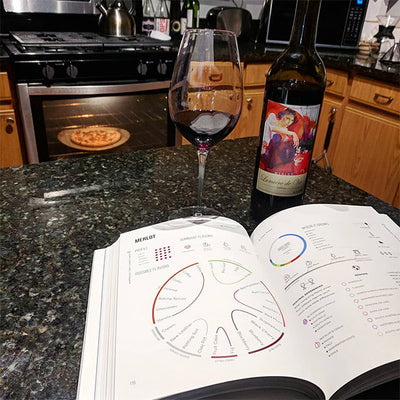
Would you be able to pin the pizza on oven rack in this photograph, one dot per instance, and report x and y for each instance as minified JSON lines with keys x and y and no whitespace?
{"x":95,"y":136}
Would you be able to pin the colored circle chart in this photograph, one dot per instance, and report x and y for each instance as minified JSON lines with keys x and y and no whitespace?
{"x":286,"y":249}
{"x":216,"y":310}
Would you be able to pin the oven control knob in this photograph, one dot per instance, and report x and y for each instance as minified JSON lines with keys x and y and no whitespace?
{"x":142,"y":68}
{"x":162,"y":68}
{"x":48,"y":71}
{"x":72,"y":71}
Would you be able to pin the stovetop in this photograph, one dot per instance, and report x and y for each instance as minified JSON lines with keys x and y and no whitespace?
{"x":80,"y":42}
{"x":76,"y":57}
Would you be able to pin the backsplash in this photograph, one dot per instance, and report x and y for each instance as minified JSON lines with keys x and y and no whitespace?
{"x":378,"y":7}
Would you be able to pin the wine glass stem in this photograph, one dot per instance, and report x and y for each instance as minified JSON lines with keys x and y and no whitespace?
{"x":202,"y":156}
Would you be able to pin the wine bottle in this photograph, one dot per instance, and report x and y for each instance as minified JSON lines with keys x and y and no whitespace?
{"x":138,"y":15}
{"x":193,"y":13}
{"x":293,"y":95}
{"x":175,"y":22}
{"x":148,"y":17}
{"x":183,"y":18}
{"x":162,"y":18}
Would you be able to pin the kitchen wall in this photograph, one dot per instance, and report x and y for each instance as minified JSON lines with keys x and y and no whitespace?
{"x":379,"y":7}
{"x":375,"y":7}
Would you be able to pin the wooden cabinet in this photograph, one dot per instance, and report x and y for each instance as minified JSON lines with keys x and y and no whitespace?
{"x":331,"y":113}
{"x":254,"y":76}
{"x":379,"y":95}
{"x":10,"y":143}
{"x":5,"y":92}
{"x":368,"y":153}
{"x":10,"y":146}
{"x":330,"y":117}
{"x":368,"y":147}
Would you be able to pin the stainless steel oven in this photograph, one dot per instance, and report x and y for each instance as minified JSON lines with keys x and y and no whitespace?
{"x":82,"y":82}
{"x":50,"y":115}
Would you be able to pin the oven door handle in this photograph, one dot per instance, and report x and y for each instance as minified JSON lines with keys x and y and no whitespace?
{"x":97,"y":89}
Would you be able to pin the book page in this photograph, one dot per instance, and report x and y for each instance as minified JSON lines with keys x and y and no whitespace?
{"x":336,"y":272}
{"x":195,"y":308}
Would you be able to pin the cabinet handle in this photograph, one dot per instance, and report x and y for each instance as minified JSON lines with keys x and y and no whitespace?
{"x":9,"y":127}
{"x":329,"y":83}
{"x":249,"y":102}
{"x":381,"y":99}
{"x":215,"y":77}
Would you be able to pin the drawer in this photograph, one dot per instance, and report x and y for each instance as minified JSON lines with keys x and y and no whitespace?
{"x":5,"y":92}
{"x":255,"y":74}
{"x":376,"y":94}
{"x":336,"y":82}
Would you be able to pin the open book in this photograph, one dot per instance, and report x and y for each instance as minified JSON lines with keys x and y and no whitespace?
{"x":308,"y":307}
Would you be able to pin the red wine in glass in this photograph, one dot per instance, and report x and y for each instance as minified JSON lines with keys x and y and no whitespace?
{"x":205,"y":96}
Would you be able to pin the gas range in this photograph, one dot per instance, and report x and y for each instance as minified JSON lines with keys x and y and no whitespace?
{"x":70,"y":57}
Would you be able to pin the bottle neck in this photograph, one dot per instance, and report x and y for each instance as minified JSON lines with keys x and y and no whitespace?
{"x":305,"y":22}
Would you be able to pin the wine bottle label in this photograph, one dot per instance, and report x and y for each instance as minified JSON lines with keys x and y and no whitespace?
{"x":190,"y":19}
{"x":183,"y":25}
{"x":288,"y":138}
{"x":162,"y":25}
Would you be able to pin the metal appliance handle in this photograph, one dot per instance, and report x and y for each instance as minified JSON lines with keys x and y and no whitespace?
{"x":97,"y":89}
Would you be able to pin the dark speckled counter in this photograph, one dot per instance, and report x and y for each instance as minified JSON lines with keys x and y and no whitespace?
{"x":54,"y":215}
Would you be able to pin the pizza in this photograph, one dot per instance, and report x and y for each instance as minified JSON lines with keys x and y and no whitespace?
{"x":95,"y":137}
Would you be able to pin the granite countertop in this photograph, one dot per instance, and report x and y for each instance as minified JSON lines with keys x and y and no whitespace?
{"x":55,"y":214}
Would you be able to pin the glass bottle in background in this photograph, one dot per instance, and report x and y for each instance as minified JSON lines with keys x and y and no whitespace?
{"x":175,"y":22}
{"x":162,"y":18}
{"x":293,"y":96}
{"x":138,"y":15}
{"x":148,"y":17}
{"x":183,"y":18}
{"x":192,"y":13}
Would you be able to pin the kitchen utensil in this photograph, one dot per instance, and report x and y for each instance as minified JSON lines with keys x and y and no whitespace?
{"x":116,"y":20}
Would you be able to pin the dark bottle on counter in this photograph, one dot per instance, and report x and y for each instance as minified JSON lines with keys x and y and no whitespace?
{"x":192,"y":13}
{"x":292,"y":101}
{"x":183,"y":18}
{"x":148,"y":17}
{"x":175,"y":13}
{"x":138,"y":15}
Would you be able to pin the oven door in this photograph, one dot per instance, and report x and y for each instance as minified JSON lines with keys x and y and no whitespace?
{"x":51,"y":115}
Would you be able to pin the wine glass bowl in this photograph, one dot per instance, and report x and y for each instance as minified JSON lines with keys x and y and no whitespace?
{"x":205,"y":96}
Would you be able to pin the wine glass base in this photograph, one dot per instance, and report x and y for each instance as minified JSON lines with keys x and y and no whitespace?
{"x":194,"y":211}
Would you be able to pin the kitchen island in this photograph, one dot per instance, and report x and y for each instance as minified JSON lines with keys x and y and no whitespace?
{"x":55,"y":214}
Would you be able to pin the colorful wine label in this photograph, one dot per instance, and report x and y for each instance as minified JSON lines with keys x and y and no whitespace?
{"x":288,"y":138}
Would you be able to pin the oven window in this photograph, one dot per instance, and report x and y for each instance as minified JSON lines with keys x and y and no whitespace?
{"x":77,"y":126}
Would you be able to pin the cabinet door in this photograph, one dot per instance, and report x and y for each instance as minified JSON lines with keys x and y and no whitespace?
{"x":5,"y":92}
{"x":330,"y":115}
{"x":10,"y":146}
{"x":368,"y":154}
{"x":250,"y":119}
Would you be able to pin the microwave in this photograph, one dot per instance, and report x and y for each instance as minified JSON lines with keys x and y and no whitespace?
{"x":340,"y":22}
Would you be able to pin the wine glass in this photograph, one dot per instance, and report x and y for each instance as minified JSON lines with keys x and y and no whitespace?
{"x":205,"y":97}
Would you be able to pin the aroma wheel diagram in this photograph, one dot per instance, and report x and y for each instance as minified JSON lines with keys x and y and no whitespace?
{"x":244,"y":318}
